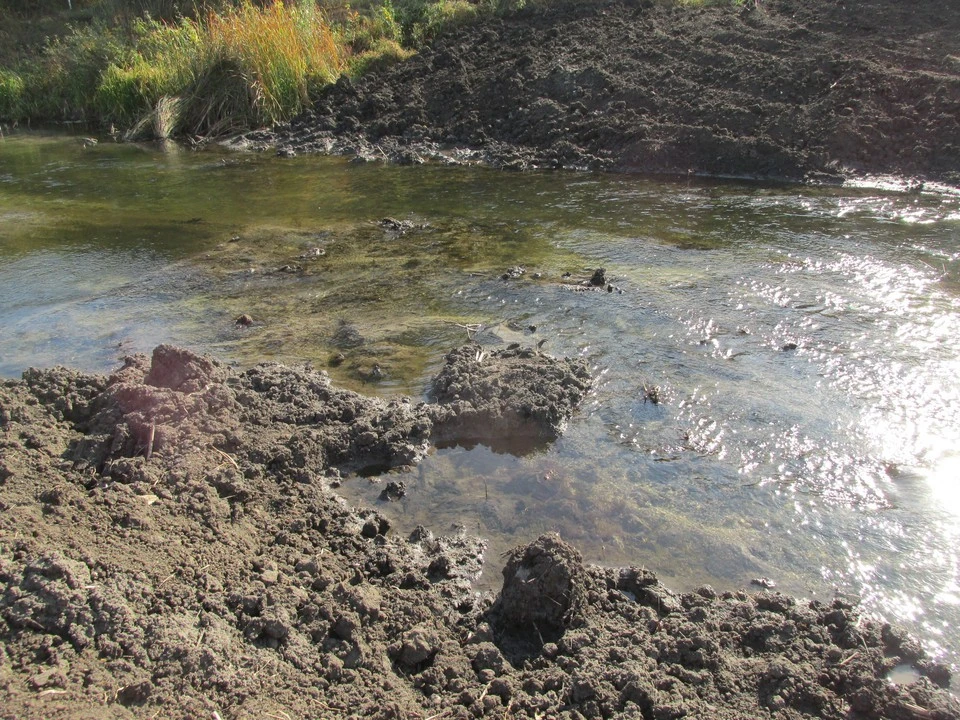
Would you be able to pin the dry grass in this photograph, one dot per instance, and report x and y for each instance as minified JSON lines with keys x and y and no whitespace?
{"x":281,"y":53}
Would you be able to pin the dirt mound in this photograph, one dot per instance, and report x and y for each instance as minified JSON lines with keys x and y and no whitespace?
{"x":222,"y":577}
{"x":543,"y":588}
{"x":623,"y":645}
{"x":788,"y":89}
{"x":514,"y":399}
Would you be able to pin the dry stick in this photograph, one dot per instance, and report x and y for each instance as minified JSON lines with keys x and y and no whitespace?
{"x":471,"y":328}
{"x":438,"y":715}
{"x":848,"y":659}
{"x":917,"y":710}
{"x":539,"y":634}
{"x":468,"y":326}
{"x":153,"y":430}
{"x":227,"y":456}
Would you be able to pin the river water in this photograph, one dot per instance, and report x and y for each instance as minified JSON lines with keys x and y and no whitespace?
{"x":778,"y":367}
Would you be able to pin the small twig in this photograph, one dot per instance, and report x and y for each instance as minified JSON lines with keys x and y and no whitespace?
{"x":484,"y":693}
{"x":468,"y":326}
{"x":539,"y":634}
{"x":471,"y":328}
{"x":153,"y":431}
{"x":51,"y":692}
{"x":848,"y":659}
{"x":227,"y":456}
{"x":917,"y":710}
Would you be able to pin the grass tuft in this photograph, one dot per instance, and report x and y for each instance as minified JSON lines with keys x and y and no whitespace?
{"x":245,"y":66}
{"x":161,"y":63}
{"x":422,"y":20}
{"x":380,"y":54}
{"x":11,"y":95}
{"x":282,"y":54}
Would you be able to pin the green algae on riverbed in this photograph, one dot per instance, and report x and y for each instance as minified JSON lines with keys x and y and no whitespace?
{"x":323,"y":295}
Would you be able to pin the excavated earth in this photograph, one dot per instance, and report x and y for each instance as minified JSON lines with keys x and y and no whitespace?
{"x":799,"y":90}
{"x":172,"y":546}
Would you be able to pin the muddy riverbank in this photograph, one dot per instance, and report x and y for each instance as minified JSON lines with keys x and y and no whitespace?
{"x":780,"y":89}
{"x":173,"y":545}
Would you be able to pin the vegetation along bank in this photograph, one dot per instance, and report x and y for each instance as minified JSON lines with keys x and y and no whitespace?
{"x":156,"y":68}
{"x":815,"y":90}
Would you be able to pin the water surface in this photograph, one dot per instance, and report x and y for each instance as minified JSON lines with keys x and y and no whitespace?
{"x":801,"y":343}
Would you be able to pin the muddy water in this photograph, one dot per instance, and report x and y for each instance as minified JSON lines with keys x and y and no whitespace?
{"x":778,"y":368}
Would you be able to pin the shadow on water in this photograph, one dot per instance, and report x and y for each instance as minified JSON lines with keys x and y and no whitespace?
{"x":799,"y":343}
{"x":517,"y":444}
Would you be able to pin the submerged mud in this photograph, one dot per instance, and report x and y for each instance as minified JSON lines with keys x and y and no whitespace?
{"x":779,"y":89}
{"x":171,"y":544}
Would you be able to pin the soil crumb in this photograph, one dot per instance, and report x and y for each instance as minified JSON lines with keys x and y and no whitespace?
{"x":171,"y":546}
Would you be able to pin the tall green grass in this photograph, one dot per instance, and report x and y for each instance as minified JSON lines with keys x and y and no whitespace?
{"x":244,"y":66}
{"x":11,"y":95}
{"x":280,"y":55}
{"x":422,"y":20}
{"x":162,"y":61}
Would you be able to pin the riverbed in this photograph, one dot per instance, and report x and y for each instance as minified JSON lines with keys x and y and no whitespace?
{"x":778,"y":375}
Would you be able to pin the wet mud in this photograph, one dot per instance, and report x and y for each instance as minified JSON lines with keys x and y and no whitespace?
{"x":172,"y":545}
{"x":514,"y":400}
{"x":777,"y":89}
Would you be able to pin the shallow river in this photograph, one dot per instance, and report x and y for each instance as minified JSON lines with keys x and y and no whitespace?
{"x":778,"y":368}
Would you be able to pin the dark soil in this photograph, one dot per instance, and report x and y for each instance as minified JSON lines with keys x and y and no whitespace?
{"x":171,"y":545}
{"x":801,"y":90}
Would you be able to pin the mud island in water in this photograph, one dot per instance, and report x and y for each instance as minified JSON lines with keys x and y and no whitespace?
{"x":172,"y":545}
